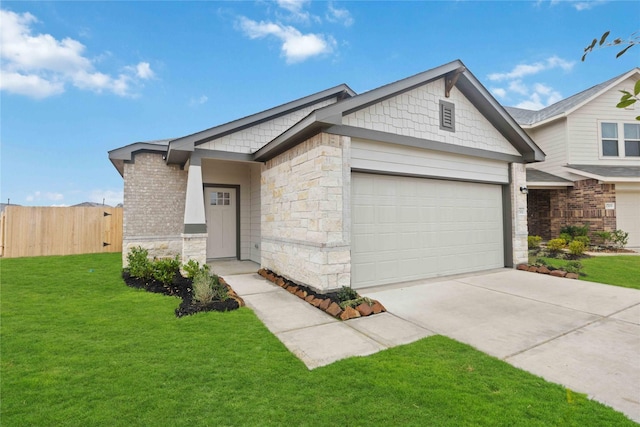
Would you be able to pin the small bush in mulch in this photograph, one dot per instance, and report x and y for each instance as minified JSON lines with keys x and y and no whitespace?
{"x":344,"y":304}
{"x":210,"y":293}
{"x":182,"y":287}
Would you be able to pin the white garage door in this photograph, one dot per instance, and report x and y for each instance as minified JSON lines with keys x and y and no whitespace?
{"x":410,"y":228}
{"x":628,"y":215}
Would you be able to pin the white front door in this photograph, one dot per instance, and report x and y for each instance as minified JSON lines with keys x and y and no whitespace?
{"x":221,"y":221}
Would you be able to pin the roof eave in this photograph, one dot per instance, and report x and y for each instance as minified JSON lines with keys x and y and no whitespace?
{"x":125,"y":154}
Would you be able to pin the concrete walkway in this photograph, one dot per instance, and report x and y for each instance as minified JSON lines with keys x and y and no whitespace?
{"x":585,"y":336}
{"x":314,"y":336}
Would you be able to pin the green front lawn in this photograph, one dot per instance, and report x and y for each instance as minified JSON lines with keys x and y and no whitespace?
{"x":619,"y":270}
{"x":81,"y":348}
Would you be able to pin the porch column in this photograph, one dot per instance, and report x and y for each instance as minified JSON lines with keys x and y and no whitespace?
{"x":194,"y":237}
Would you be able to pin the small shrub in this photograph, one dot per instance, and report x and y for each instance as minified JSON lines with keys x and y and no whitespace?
{"x":202,"y":289}
{"x":220,"y":292}
{"x":164,"y":270}
{"x":533,"y":242}
{"x":192,"y":268}
{"x":576,"y":248}
{"x":556,"y":245}
{"x":540,"y":262}
{"x":574,"y":231}
{"x":583,"y":239}
{"x":573,"y":267}
{"x":353,"y":303}
{"x":620,"y":238}
{"x":208,"y":288}
{"x":604,"y":236}
{"x":346,"y":293}
{"x":139,"y":263}
{"x":566,"y":237}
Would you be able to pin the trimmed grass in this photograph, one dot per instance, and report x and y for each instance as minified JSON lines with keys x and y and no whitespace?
{"x":81,"y":348}
{"x":618,"y":270}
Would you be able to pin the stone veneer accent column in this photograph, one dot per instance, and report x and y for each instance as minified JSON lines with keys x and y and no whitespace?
{"x":306,"y":213}
{"x":154,"y":199}
{"x":520,"y":251}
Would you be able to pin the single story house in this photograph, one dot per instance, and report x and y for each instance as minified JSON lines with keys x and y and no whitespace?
{"x":420,"y":178}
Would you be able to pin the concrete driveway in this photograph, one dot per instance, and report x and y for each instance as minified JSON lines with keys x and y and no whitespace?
{"x":585,"y":336}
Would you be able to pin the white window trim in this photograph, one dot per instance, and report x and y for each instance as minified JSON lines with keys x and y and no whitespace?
{"x":621,"y":146}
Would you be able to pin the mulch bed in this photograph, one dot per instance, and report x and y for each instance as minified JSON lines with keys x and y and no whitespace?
{"x":329,"y":302}
{"x":181,"y":287}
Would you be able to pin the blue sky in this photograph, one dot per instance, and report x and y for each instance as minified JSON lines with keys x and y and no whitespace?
{"x":81,"y":78}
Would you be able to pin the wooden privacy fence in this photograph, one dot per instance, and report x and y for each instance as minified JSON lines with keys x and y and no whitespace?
{"x":36,"y":231}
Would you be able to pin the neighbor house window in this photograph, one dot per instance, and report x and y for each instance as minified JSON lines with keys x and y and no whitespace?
{"x":447,"y":116}
{"x":631,"y":140}
{"x":620,"y":139}
{"x":610,"y":139}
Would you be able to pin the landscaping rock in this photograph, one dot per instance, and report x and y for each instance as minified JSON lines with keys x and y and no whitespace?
{"x":558,"y":273}
{"x":324,"y":304}
{"x":377,"y":307}
{"x":364,"y":309}
{"x":280,"y":282}
{"x":301,"y":294}
{"x":292,"y":289}
{"x":523,"y":267}
{"x":309,"y":299}
{"x":571,"y":276}
{"x":543,"y":270}
{"x":349,"y":313}
{"x":316,"y":302}
{"x":533,"y":269}
{"x":334,"y":310}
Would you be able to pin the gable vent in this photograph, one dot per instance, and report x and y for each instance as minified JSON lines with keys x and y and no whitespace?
{"x":447,"y":116}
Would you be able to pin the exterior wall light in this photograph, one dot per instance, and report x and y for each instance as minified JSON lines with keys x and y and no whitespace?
{"x":524,"y":190}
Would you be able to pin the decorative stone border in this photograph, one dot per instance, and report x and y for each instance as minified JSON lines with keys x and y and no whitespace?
{"x":545,"y":270}
{"x":325,"y":302}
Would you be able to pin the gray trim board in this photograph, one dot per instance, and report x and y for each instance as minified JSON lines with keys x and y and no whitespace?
{"x":200,"y":154}
{"x":413,"y":175}
{"x":393,"y":138}
{"x":195,"y":228}
{"x":238,"y":207}
{"x":507,"y":222}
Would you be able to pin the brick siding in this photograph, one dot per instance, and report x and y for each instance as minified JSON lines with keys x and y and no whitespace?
{"x":154,"y":200}
{"x":584,"y":204}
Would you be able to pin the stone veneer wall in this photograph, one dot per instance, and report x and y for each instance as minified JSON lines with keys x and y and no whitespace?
{"x":519,"y":233}
{"x":306,"y":213}
{"x":154,"y":199}
{"x":583,"y":204}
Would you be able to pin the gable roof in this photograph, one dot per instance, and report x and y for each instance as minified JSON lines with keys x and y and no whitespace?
{"x":568,"y":105}
{"x":455,"y":71}
{"x":179,"y":148}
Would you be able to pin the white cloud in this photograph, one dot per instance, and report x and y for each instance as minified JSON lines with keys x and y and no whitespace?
{"x":335,"y":14}
{"x":523,"y":70}
{"x":499,"y":92}
{"x":198,"y":101}
{"x":526,"y":94}
{"x":295,"y":7}
{"x":40,"y":65}
{"x":296,"y":47}
{"x":47,"y":196}
{"x":578,"y":5}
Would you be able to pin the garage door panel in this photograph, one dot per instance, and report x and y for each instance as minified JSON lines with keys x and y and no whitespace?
{"x":409,"y":228}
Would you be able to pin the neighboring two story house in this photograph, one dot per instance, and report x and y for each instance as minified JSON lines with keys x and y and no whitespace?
{"x":591,"y":174}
